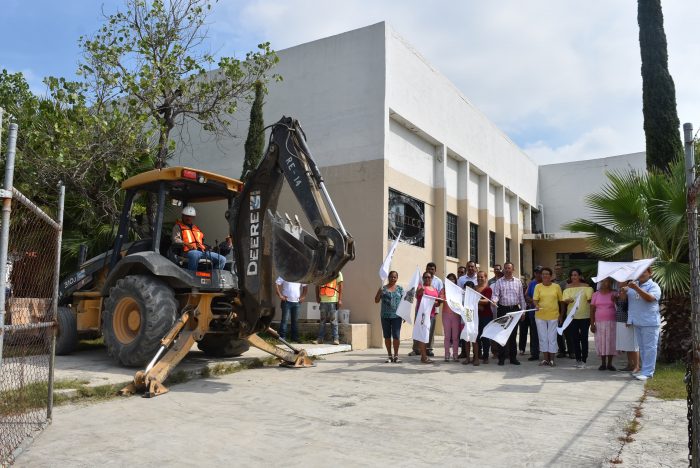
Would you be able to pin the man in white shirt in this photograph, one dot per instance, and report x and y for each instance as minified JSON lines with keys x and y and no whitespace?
{"x":469,"y":276}
{"x":291,"y":295}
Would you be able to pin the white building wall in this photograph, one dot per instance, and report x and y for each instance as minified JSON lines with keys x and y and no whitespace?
{"x":491,"y":200}
{"x":452,"y":177}
{"x":419,"y":93}
{"x":563,"y":187}
{"x":410,"y":154}
{"x":473,"y":189}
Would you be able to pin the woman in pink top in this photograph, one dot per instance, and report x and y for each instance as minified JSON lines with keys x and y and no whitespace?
{"x":426,"y":289}
{"x":603,"y":323}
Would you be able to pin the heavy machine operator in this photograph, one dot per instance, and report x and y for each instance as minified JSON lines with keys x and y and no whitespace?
{"x":187,"y":235}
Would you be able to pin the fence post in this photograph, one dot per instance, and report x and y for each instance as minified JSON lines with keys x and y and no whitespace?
{"x":54,"y":305}
{"x":5,"y":231}
{"x":692,"y":213}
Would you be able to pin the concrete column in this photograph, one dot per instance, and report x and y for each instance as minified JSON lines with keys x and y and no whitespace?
{"x":516,"y":230}
{"x":440,"y":210}
{"x":501,"y":225}
{"x":484,"y":181}
{"x":463,"y":213}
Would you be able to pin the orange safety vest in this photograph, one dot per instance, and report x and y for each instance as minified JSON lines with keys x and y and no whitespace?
{"x":190,"y":236}
{"x":329,"y":289}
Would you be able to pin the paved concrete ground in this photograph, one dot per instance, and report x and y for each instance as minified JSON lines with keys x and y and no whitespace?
{"x":352,"y":409}
{"x":97,"y":368}
{"x":662,"y":440}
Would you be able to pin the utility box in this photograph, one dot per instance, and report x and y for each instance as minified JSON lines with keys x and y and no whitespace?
{"x":344,"y":316}
{"x":309,"y":312}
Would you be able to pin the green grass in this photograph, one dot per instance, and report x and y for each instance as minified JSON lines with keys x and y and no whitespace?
{"x":34,"y":396}
{"x":667,"y":383}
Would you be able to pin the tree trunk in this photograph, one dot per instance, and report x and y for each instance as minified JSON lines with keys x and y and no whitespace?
{"x":676,"y":337}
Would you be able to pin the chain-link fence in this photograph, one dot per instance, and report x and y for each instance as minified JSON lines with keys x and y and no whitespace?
{"x":29,"y":258}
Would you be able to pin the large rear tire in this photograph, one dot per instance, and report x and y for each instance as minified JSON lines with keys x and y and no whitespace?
{"x":138,"y":313}
{"x":67,"y":333}
{"x":215,"y":345}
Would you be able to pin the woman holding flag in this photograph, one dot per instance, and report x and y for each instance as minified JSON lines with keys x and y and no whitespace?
{"x":452,"y":324}
{"x":390,"y":295}
{"x":421,"y":327}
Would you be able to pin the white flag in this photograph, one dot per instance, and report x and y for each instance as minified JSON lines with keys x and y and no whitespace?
{"x":405,"y":308}
{"x":622,"y":271}
{"x":386,"y":265}
{"x":471,"y":318}
{"x":500,"y":329}
{"x":570,"y":317}
{"x":421,"y":329}
{"x":454,"y":296}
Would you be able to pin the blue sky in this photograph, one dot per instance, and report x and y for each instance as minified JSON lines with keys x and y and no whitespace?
{"x":560,"y":77}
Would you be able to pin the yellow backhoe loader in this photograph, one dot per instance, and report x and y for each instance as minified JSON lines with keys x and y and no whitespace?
{"x":151,"y":309}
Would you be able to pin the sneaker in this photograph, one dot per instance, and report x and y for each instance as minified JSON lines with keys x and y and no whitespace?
{"x":397,"y":360}
{"x":578,"y":364}
{"x":336,"y":342}
{"x":544,"y":363}
{"x":583,"y":365}
{"x":552,"y":364}
{"x":641,"y":377}
{"x":389,"y":360}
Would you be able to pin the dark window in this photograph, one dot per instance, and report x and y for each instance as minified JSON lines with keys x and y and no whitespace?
{"x":451,"y":235}
{"x":492,"y":248}
{"x":474,"y":242}
{"x":407,"y":216}
{"x":507,"y":250}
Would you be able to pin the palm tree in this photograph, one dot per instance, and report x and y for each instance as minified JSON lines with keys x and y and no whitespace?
{"x":645,"y":214}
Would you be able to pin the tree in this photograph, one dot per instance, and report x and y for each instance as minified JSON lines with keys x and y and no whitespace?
{"x":151,"y":60}
{"x":661,"y":124}
{"x":647,"y":211}
{"x":90,"y":149}
{"x":255,"y":142}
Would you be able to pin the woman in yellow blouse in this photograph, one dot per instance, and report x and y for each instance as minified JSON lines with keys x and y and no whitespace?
{"x":546,"y":297}
{"x":582,"y":319}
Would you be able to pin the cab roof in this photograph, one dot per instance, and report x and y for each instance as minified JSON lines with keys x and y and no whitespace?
{"x":185,"y":183}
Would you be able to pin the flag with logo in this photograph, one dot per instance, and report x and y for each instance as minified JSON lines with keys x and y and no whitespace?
{"x":500,"y":329}
{"x":421,"y":329}
{"x":622,"y":271}
{"x":570,"y":317}
{"x":471,"y":316}
{"x":386,"y":265}
{"x":405,"y":308}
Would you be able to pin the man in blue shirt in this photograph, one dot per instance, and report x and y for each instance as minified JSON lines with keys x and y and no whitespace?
{"x":643,"y":299}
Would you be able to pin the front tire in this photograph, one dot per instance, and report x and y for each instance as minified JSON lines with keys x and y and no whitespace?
{"x":67,"y":333}
{"x":215,"y":345}
{"x":138,"y":313}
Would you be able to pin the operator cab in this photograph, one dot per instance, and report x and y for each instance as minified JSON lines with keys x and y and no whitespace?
{"x":174,"y":188}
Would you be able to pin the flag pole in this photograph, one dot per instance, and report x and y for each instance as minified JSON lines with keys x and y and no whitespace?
{"x":484,"y":297}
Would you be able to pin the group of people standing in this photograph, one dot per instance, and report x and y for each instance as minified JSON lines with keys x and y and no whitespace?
{"x":623,"y":317}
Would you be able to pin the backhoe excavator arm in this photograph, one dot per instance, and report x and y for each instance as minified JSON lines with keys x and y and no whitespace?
{"x":261,"y":240}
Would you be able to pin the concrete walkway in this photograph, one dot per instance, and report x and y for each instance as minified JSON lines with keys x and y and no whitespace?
{"x":96,"y":367}
{"x":352,"y":409}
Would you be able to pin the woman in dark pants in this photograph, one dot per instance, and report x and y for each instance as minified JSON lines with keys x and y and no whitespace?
{"x":485,"y":316}
{"x":390,"y":295}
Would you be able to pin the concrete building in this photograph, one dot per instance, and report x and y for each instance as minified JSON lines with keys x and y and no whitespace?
{"x":402,"y":149}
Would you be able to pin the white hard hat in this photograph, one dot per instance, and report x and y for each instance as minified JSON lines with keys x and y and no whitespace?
{"x":189,"y":211}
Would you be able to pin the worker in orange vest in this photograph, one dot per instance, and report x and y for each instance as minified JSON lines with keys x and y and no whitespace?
{"x":191,"y":238}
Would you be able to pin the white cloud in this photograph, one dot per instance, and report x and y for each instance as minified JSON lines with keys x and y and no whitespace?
{"x":562,"y":78}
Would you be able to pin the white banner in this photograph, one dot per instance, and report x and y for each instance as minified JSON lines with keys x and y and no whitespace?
{"x":500,"y":329}
{"x":570,"y":317}
{"x":471,"y":318}
{"x":454,"y":296}
{"x":421,"y":329}
{"x":405,"y":308}
{"x":386,"y":265}
{"x":622,"y":271}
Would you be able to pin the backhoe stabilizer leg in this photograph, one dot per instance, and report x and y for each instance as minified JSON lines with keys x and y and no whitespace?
{"x":297,"y":359}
